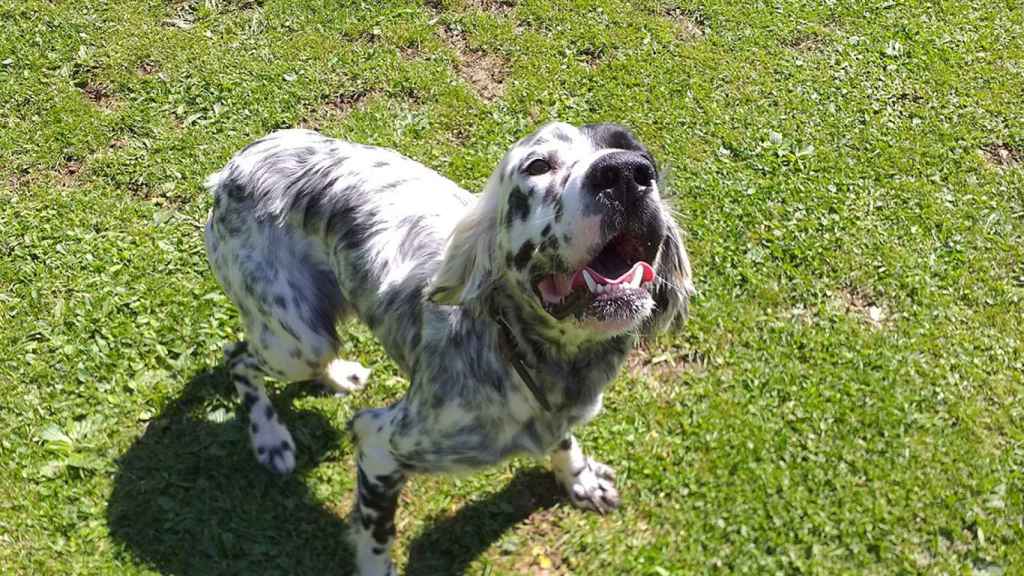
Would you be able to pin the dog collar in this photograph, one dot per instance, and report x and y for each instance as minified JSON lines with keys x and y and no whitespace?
{"x":510,"y":350}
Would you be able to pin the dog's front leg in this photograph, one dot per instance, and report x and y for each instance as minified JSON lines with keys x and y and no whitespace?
{"x":590,"y":484}
{"x":379,"y":482}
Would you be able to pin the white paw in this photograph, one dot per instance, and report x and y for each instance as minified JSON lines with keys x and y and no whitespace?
{"x":345,"y":377}
{"x":273,"y":445}
{"x":593,"y":488}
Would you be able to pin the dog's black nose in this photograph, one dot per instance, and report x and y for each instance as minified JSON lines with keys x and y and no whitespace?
{"x":626,"y":176}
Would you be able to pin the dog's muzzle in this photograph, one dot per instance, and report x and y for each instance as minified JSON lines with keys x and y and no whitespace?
{"x":622,"y":177}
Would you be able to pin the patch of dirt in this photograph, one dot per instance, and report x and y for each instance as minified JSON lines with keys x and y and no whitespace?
{"x":486,"y":73}
{"x":148,"y":68}
{"x":659,"y":365}
{"x":67,"y":173}
{"x":99,"y":94}
{"x":691,"y":25}
{"x":497,"y":7}
{"x":861,"y":304}
{"x":806,"y":43}
{"x":1002,"y":156}
{"x":336,"y":108}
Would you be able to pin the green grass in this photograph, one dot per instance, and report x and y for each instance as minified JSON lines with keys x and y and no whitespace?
{"x":846,"y":397}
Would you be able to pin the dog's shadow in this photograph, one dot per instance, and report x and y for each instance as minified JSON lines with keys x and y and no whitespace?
{"x":190,"y":499}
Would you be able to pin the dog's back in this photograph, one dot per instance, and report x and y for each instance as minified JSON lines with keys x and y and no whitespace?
{"x":316,"y":228}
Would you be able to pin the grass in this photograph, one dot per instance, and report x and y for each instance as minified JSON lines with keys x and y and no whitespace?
{"x":845,"y":399}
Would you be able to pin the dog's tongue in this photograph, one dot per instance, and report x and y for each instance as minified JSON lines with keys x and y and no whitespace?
{"x":555,"y":287}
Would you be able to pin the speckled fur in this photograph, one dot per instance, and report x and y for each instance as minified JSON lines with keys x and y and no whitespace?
{"x":307,"y":230}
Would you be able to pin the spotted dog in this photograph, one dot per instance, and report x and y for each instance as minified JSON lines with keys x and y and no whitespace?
{"x":510,"y":312}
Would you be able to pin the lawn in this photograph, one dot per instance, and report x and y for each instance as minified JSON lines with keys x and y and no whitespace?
{"x":846,"y":397}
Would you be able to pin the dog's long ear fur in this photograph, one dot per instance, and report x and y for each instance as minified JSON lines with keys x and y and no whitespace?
{"x":470,"y":268}
{"x":674,"y":284}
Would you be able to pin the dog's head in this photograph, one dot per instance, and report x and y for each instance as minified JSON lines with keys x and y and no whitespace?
{"x":573,"y":225}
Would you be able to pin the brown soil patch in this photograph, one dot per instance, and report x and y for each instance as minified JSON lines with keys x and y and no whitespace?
{"x":690,"y":25}
{"x":498,"y":7}
{"x":99,"y":94}
{"x":67,"y":173}
{"x":1002,"y":155}
{"x":336,"y":108}
{"x":148,"y":68}
{"x":663,"y":364}
{"x":806,"y":43}
{"x":861,"y":304}
{"x":486,"y":73}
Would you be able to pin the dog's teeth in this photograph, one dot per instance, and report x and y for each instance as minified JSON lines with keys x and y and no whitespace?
{"x":591,"y":285}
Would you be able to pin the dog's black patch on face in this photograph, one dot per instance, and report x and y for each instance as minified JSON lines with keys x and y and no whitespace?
{"x":550,"y":245}
{"x":615,"y":136}
{"x":518,"y":207}
{"x":524,"y":254}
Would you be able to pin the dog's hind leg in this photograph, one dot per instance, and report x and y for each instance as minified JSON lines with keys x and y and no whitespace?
{"x":379,"y":482}
{"x":270,"y":439}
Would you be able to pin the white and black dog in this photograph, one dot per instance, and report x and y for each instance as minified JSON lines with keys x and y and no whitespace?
{"x":510,"y":312}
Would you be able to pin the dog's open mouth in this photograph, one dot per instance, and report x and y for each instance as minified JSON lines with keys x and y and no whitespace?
{"x":614,"y":285}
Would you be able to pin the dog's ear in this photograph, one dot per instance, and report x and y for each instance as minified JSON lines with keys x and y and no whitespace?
{"x":467,"y":270}
{"x":674,"y":282}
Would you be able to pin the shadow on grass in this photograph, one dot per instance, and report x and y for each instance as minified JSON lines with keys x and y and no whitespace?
{"x":190,"y":499}
{"x":448,"y":545}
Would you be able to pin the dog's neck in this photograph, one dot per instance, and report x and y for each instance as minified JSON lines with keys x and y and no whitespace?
{"x":558,"y":375}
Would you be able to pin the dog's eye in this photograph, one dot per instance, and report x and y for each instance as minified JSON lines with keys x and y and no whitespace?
{"x":537,"y":167}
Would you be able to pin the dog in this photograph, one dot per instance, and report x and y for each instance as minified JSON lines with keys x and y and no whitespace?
{"x":509,"y":312}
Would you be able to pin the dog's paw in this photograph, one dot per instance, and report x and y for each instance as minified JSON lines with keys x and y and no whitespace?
{"x":273,"y":446}
{"x":593,"y":488}
{"x":344,"y":377}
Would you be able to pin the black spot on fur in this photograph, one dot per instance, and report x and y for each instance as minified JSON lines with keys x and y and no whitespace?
{"x":549,"y":245}
{"x":546,"y":231}
{"x":565,"y":444}
{"x":524,"y":254}
{"x":281,"y":302}
{"x":249,"y":400}
{"x":243,"y":381}
{"x":269,"y":413}
{"x":255,"y":428}
{"x":377,"y":550}
{"x":382,"y":498}
{"x":518,"y":207}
